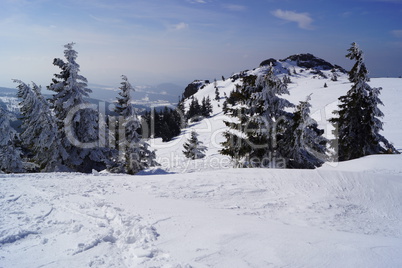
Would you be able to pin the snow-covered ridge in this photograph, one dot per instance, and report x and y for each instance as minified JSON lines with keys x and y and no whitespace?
{"x":324,"y":101}
{"x":299,"y":65}
{"x":304,"y":81}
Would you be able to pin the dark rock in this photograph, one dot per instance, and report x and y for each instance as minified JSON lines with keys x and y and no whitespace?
{"x":310,"y":61}
{"x":320,"y":73}
{"x":193,"y":88}
{"x":340,"y":69}
{"x":239,"y":75}
{"x":268,"y":62}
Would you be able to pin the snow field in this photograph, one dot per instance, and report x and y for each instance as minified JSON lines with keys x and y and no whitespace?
{"x":230,"y":218}
{"x":203,"y":213}
{"x":69,"y":218}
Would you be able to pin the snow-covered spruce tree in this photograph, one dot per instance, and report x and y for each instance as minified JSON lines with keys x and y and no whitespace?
{"x":194,"y":111}
{"x":77,"y":120}
{"x":171,"y":124}
{"x":181,"y":108}
{"x":217,"y":94}
{"x":358,"y":124}
{"x":193,"y":148}
{"x":272,"y":121}
{"x":306,"y":145}
{"x":206,"y":107}
{"x":39,"y":129}
{"x":236,"y":144}
{"x":134,"y":153}
{"x":10,"y":153}
{"x":257,"y":140}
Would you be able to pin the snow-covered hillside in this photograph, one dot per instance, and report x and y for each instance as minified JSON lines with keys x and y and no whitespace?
{"x":203,"y":213}
{"x":306,"y":81}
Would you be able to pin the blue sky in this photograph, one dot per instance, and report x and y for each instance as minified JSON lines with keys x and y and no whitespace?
{"x":155,"y":41}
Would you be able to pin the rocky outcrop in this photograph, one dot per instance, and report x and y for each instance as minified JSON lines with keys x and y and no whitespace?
{"x":267,"y":62}
{"x":310,"y":61}
{"x":193,"y":87}
{"x":307,"y":61}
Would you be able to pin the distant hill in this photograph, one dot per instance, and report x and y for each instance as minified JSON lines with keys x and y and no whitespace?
{"x":293,"y":65}
{"x":144,"y":97}
{"x":148,"y":96}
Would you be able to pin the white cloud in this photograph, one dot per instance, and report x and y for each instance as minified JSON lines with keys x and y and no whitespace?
{"x":105,"y":20}
{"x":346,"y":14}
{"x":180,"y":26}
{"x":302,"y":19}
{"x":234,"y":7}
{"x":397,"y":33}
{"x":198,"y":1}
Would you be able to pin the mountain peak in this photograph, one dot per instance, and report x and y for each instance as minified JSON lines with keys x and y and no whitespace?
{"x":308,"y":60}
{"x":304,"y":60}
{"x":268,"y":62}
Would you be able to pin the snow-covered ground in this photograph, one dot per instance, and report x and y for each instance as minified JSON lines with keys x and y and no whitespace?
{"x":231,"y":218}
{"x":202,"y":213}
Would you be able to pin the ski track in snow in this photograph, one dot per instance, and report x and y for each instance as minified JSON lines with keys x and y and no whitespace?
{"x":72,"y":219}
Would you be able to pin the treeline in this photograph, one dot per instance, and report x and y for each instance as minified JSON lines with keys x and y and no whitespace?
{"x":166,"y":123}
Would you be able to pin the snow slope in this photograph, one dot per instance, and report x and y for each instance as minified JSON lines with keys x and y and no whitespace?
{"x":235,"y":218}
{"x":203,"y":213}
{"x":323,"y":100}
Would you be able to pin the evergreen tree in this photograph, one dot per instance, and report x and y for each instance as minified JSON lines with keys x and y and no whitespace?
{"x":194,"y":111}
{"x":225,"y":106}
{"x":39,"y":129}
{"x":166,"y":124}
{"x":170,"y":127}
{"x":181,"y":109}
{"x":286,"y":79}
{"x":358,"y":122}
{"x":206,"y":107}
{"x":272,"y":120}
{"x":306,"y":145}
{"x":193,"y":148}
{"x":157,"y":123}
{"x":10,"y":153}
{"x":146,"y":125}
{"x":77,"y":121}
{"x":236,"y":144}
{"x":217,"y":95}
{"x":134,"y":152}
{"x":256,"y":140}
{"x":334,"y":76}
{"x":166,"y":133}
